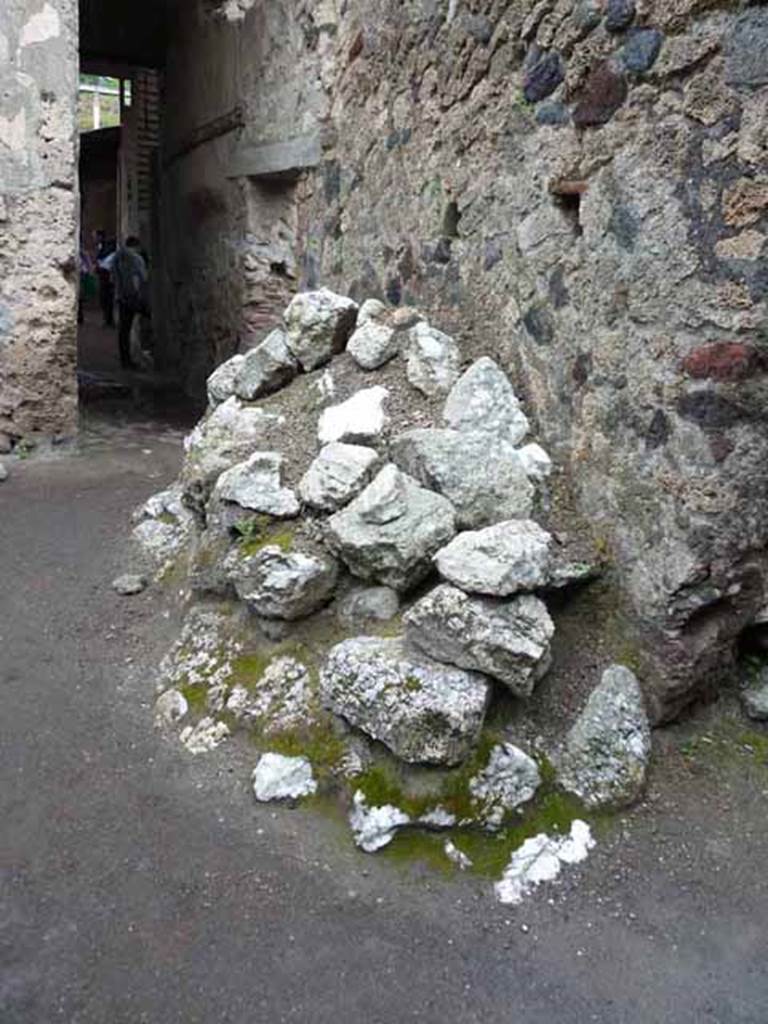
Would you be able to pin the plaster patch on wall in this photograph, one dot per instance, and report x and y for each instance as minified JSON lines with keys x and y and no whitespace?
{"x":5,"y":51}
{"x":13,"y":131}
{"x":41,"y":27}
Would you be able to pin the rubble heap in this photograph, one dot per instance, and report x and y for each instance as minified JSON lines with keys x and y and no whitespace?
{"x":355,"y":520}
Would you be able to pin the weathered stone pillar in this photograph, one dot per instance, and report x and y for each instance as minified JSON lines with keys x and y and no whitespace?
{"x":38,"y":217}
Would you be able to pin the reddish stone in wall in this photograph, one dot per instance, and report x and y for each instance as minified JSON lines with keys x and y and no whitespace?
{"x":604,"y":92}
{"x":723,"y":360}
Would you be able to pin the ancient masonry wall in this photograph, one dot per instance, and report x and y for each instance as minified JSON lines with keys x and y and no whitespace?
{"x":38,"y":218}
{"x":578,"y":188}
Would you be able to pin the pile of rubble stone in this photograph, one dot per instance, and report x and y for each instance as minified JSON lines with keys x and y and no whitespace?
{"x":354,"y":521}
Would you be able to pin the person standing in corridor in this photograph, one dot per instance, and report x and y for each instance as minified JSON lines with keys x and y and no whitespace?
{"x":129,"y":272}
{"x":104,"y":248}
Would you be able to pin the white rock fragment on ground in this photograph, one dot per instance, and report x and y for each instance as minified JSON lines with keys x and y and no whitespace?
{"x":508,"y":640}
{"x":536,"y":462}
{"x":276,"y":777}
{"x":483,"y":399}
{"x":129,"y":584}
{"x":282,"y":584}
{"x":170,"y":707}
{"x":359,"y":420}
{"x":282,"y":698}
{"x":221,"y":383}
{"x":3,"y":473}
{"x":318,"y":325}
{"x":390,"y":532}
{"x":486,"y":482}
{"x":338,"y":473}
{"x":266,"y":368}
{"x":499,"y":560}
{"x":432,"y":360}
{"x":541,"y":859}
{"x":438,"y":817}
{"x":205,"y":736}
{"x":373,"y":344}
{"x":425,"y":712}
{"x":374,"y":827}
{"x":509,"y":780}
{"x":456,"y":856}
{"x":256,"y":484}
{"x":605,"y":756}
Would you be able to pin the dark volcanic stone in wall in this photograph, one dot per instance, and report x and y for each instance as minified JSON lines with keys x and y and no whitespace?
{"x":746,"y":50}
{"x":658,"y":431}
{"x":543,"y":73}
{"x":553,"y":114}
{"x":641,"y":49}
{"x":709,"y":410}
{"x":587,"y":15}
{"x":479,"y":27}
{"x":604,"y":92}
{"x":619,"y":14}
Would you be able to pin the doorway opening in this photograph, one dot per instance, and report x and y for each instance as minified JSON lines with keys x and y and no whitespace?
{"x":122,"y":363}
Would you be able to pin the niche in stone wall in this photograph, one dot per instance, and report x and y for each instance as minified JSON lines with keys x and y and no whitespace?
{"x":270,"y":254}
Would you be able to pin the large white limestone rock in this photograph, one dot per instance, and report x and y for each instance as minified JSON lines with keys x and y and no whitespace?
{"x":605,"y":757}
{"x":359,"y":420}
{"x":231,"y":433}
{"x":506,"y":639}
{"x":389,"y":532}
{"x":280,"y":584}
{"x":221,"y":383}
{"x":433,"y":360}
{"x":483,"y":400}
{"x":338,"y":473}
{"x":256,"y":484}
{"x":266,"y":368}
{"x":422,"y":710}
{"x":485,"y":482}
{"x":500,"y":560}
{"x":318,"y":325}
{"x":373,"y":344}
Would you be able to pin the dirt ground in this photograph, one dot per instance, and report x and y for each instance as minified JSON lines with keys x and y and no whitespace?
{"x":142,"y":884}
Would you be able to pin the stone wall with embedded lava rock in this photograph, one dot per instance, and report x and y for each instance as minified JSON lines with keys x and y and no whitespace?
{"x":576,"y":189}
{"x":38,"y":220}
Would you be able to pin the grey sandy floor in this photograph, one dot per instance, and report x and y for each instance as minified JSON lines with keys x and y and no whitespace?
{"x":140,"y":884}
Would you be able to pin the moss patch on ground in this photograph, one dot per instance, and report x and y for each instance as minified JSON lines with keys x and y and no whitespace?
{"x":261,"y":532}
{"x":320,"y":742}
{"x":196,"y":695}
